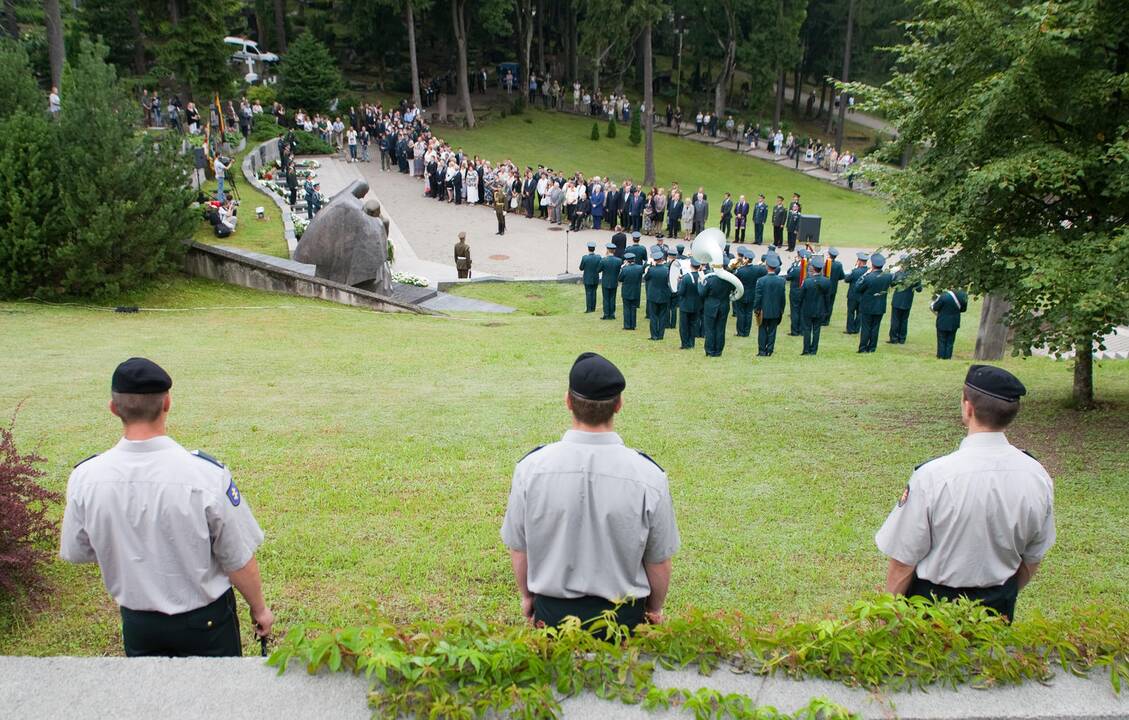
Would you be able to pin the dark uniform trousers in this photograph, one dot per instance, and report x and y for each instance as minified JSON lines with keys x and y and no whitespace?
{"x":766,"y":336}
{"x":552,"y":611}
{"x":794,"y":311}
{"x":590,"y":298}
{"x":501,"y":222}
{"x":1000,"y":598}
{"x":672,"y":320}
{"x":630,"y":308}
{"x":726,"y":225}
{"x":869,"y":327}
{"x":810,"y":326}
{"x":743,"y":312}
{"x":209,"y":631}
{"x":777,"y":235}
{"x":899,"y":325}
{"x":758,"y":233}
{"x":687,"y":327}
{"x":715,"y":332}
{"x":945,"y":341}
{"x":830,"y":306}
{"x":609,"y":303}
{"x":659,"y":314}
{"x":852,"y":316}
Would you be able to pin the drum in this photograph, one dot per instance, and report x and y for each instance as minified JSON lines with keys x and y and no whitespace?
{"x":678,"y":268}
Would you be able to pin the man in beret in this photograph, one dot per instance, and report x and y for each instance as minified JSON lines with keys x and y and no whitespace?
{"x":590,"y":523}
{"x":169,"y":529}
{"x":977,"y":522}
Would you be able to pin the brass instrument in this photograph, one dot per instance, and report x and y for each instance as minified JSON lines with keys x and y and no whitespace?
{"x":708,"y":247}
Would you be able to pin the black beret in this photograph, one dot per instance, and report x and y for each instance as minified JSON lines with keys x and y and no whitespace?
{"x":995,"y":382}
{"x":141,"y":377}
{"x":593,"y":377}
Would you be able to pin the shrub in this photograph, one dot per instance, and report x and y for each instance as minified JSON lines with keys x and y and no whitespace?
{"x":518,"y":106}
{"x":264,"y":127}
{"x":308,"y":76}
{"x":636,"y":134}
{"x":611,"y":128}
{"x":24,"y":524}
{"x":265,"y":94}
{"x":17,"y":85}
{"x":595,"y":131}
{"x":311,"y":144}
{"x":90,"y":208}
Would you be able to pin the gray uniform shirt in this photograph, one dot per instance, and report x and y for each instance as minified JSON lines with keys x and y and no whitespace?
{"x":165,"y":525}
{"x":589,"y":511}
{"x":967,"y":519}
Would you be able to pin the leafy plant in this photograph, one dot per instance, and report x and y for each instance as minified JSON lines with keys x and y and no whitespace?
{"x":595,"y":134}
{"x":264,"y":127}
{"x":309,"y":77}
{"x":611,"y":128}
{"x":265,"y":94}
{"x":24,"y":522}
{"x":635,"y":135}
{"x":471,"y":669}
{"x":307,"y":143}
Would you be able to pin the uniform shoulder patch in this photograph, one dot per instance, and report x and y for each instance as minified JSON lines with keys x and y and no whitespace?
{"x":205,"y":456}
{"x":89,"y":458}
{"x":1022,"y":451}
{"x":233,"y":494}
{"x":650,"y":459}
{"x":904,"y":497}
{"x":922,"y":464}
{"x":531,"y":452}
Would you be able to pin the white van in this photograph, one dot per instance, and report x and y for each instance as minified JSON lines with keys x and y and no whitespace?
{"x":244,"y":49}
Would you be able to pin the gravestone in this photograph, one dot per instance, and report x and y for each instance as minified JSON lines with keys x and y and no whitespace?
{"x":347,"y":241}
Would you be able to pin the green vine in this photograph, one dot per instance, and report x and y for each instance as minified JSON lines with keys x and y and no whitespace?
{"x":471,"y":669}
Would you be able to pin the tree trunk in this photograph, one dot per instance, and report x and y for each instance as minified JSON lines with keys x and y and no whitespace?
{"x":410,"y":22}
{"x":261,"y":24}
{"x":138,"y":40}
{"x":541,"y":38}
{"x":55,"y":49}
{"x":797,"y":90}
{"x":1084,"y":374}
{"x":992,"y":335}
{"x":11,"y":22}
{"x":458,"y":17}
{"x":595,"y":75}
{"x":174,"y":11}
{"x":526,"y":10}
{"x":280,"y":25}
{"x":778,"y":109}
{"x":648,"y":110}
{"x":822,"y":98}
{"x":846,"y":77}
{"x":573,"y":42}
{"x":728,"y":62}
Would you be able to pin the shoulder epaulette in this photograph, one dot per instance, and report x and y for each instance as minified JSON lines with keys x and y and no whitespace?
{"x":651,"y":459}
{"x":205,"y":456}
{"x":531,"y":452}
{"x":919,"y":465}
{"x":1022,"y":451}
{"x":89,"y":458}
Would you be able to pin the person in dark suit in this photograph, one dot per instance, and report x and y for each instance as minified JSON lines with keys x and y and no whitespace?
{"x":612,"y":200}
{"x":900,"y":304}
{"x":760,"y":217}
{"x":741,"y":219}
{"x":580,"y":213}
{"x":637,"y":205}
{"x":529,"y":192}
{"x":689,"y":302}
{"x":948,"y":306}
{"x":590,"y":267}
{"x":726,"y":222}
{"x":749,"y":273}
{"x":873,"y":288}
{"x":715,"y":293}
{"x":657,"y":278}
{"x":597,"y":200}
{"x":630,"y":280}
{"x":814,"y":296}
{"x":625,"y":204}
{"x":836,"y":277}
{"x":793,"y":225}
{"x":768,"y":305}
{"x":609,"y":280}
{"x":851,"y":279}
{"x":619,"y":239}
{"x":674,"y":218}
{"x":701,"y":211}
{"x":779,"y":217}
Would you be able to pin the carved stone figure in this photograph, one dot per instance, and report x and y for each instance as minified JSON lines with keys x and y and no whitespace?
{"x":348,"y":242}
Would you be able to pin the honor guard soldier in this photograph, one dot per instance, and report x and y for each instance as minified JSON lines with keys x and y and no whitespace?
{"x":169,"y":529}
{"x":815,"y":293}
{"x":768,"y":305}
{"x":609,"y":280}
{"x":749,"y":273}
{"x":901,"y":302}
{"x":948,"y":306}
{"x":715,"y":293}
{"x":631,"y":280}
{"x":975,"y":523}
{"x":590,"y":521}
{"x":657,"y":279}
{"x":590,"y":267}
{"x":835,"y":275}
{"x":462,"y":256}
{"x":689,"y":303}
{"x":873,"y":288}
{"x":795,"y":278}
{"x":852,"y":292}
{"x":675,"y":269}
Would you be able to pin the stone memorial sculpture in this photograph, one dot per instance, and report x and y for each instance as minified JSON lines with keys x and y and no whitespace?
{"x":348,"y":242}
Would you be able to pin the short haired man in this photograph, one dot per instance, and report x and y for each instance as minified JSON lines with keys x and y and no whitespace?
{"x":168,"y":528}
{"x":977,"y":522}
{"x":590,"y":521}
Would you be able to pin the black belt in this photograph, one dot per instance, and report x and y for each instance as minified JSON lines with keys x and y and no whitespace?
{"x":1000,"y":598}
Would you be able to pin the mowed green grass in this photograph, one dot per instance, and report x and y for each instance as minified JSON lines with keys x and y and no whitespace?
{"x":560,"y":141}
{"x":377,"y":450}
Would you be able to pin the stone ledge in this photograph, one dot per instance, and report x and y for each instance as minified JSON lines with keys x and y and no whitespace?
{"x":172,"y":689}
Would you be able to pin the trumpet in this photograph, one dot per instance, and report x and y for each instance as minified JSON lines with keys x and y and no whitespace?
{"x":737,"y":262}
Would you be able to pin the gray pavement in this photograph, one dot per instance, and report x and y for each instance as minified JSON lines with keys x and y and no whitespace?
{"x":245,"y":688}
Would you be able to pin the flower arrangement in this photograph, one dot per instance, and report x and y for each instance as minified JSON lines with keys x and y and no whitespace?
{"x":409,"y":279}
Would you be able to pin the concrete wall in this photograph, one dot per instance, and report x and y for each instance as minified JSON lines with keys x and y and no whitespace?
{"x":567,"y":278}
{"x":265,"y":154}
{"x":218,"y":264}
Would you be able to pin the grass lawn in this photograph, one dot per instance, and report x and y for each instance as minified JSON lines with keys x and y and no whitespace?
{"x":560,"y":141}
{"x":262,"y":236}
{"x":376,"y":450}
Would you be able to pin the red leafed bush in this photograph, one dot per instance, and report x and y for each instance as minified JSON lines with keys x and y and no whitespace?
{"x":24,"y":524}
